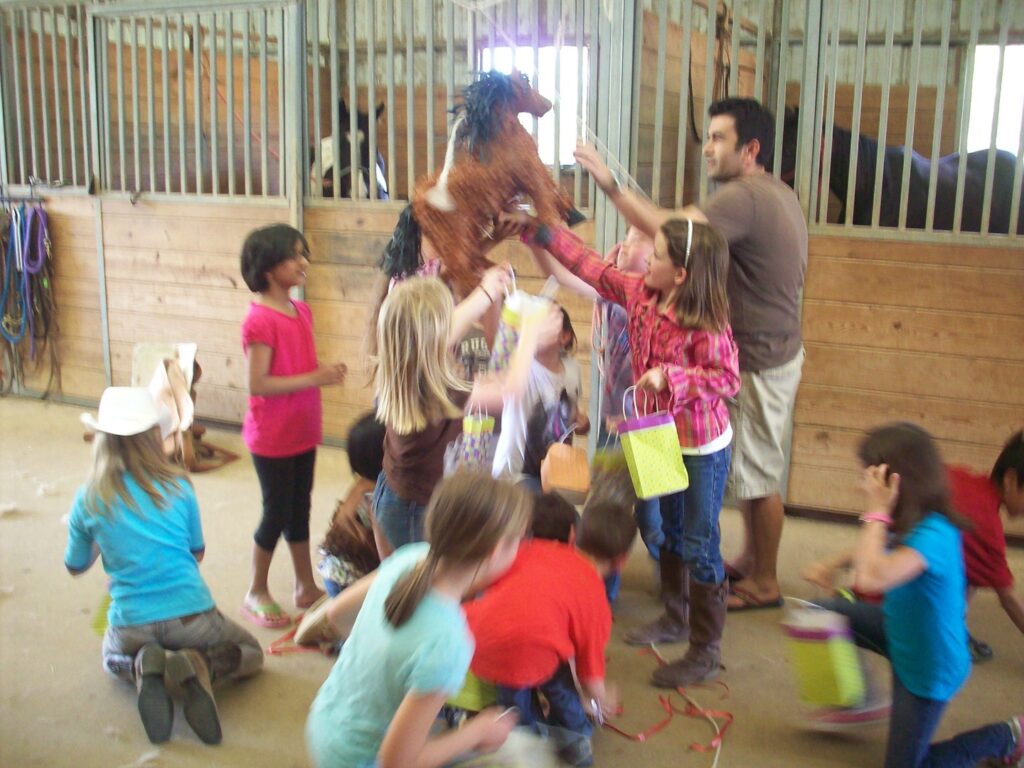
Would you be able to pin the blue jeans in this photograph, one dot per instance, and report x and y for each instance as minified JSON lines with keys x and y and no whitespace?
{"x":400,"y":520}
{"x":914,"y":719}
{"x":560,"y":691}
{"x":689,"y":519}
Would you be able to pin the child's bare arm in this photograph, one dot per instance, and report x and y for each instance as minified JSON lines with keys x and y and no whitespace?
{"x":408,"y":742}
{"x":823,"y":572}
{"x":345,"y":607}
{"x":263,"y":384}
{"x":549,"y":265}
{"x":1012,"y":605}
{"x":604,"y":697}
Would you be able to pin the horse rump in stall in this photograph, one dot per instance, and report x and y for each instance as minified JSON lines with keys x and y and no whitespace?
{"x":947,"y":174}
{"x":349,"y":172}
{"x":490,"y":165}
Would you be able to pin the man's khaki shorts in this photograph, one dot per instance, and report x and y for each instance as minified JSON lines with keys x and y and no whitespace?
{"x":761,"y":417}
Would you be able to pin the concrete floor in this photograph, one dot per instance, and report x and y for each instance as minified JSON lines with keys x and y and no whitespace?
{"x":57,"y":707}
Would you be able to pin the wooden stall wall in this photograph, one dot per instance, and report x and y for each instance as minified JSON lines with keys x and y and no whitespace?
{"x":173,"y":276}
{"x":346,"y":242}
{"x":674,"y":71}
{"x":76,"y":293}
{"x":905,"y":331}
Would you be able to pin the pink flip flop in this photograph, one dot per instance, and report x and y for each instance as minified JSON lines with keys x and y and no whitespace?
{"x":267,"y":615}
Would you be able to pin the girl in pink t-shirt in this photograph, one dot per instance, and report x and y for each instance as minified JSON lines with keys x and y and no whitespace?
{"x":282,"y":425}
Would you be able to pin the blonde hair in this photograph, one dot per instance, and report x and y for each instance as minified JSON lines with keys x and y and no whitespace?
{"x":142,"y":457}
{"x":469,"y":515}
{"x":701,"y":301}
{"x":416,"y":373}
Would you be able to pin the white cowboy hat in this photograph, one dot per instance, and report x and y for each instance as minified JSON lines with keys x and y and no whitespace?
{"x":125,"y":411}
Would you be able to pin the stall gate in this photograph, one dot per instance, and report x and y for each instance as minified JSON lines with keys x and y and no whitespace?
{"x":159,"y":134}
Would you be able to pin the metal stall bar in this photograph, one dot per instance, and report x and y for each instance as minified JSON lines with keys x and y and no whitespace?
{"x":264,"y":119}
{"x":429,"y":21}
{"x":659,"y":100}
{"x":91,"y":30}
{"x":1017,"y":174}
{"x":165,"y":82}
{"x":83,"y":74}
{"x":596,"y":52}
{"x":354,"y":159}
{"x":119,"y":62}
{"x":883,"y":117}
{"x":29,"y":91}
{"x":810,"y":114}
{"x":759,"y":58}
{"x":291,"y":46}
{"x":734,"y":47}
{"x":229,"y":112}
{"x":43,"y":101}
{"x":410,"y":98}
{"x":556,"y":163}
{"x":197,"y":102}
{"x":908,"y":134}
{"x":150,"y":104}
{"x":332,"y":45}
{"x":535,"y":43}
{"x":940,"y":103}
{"x":817,"y":138}
{"x":389,"y":32}
{"x":471,"y":63}
{"x":449,"y":39}
{"x":7,"y":131}
{"x":858,"y":100}
{"x":182,"y":117}
{"x":247,"y":103}
{"x":134,"y":49}
{"x":709,"y":86}
{"x":965,"y":118}
{"x":214,"y":154}
{"x":72,"y":135}
{"x":103,"y":64}
{"x":830,"y":120}
{"x":16,"y":95}
{"x":684,"y":105}
{"x":577,"y":173}
{"x":56,"y":95}
{"x":779,"y":73}
{"x":372,"y":98}
{"x":990,"y":161}
{"x":316,"y":189}
{"x":282,"y":129}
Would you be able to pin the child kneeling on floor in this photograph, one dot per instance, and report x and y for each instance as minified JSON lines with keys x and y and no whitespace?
{"x":139,"y":512}
{"x":408,"y":646}
{"x":548,"y":610}
{"x":348,"y":551}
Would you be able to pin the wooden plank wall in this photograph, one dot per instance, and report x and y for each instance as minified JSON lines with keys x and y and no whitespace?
{"x":173,"y":275}
{"x":76,"y":292}
{"x":674,"y":71}
{"x":905,"y":331}
{"x":346,"y":242}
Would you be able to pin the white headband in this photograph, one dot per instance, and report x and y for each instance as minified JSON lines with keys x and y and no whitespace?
{"x":689,"y":241}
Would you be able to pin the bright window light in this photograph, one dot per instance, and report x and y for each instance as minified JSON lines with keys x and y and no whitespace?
{"x":983,"y":98}
{"x":563,"y":92}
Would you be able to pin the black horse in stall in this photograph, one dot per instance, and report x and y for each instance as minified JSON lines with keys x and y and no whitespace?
{"x":920,"y":170}
{"x":349,"y":171}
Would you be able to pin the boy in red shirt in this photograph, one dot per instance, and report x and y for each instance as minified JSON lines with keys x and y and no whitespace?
{"x":548,"y":609}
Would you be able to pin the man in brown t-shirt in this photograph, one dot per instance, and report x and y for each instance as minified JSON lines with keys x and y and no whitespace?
{"x":762,"y":221}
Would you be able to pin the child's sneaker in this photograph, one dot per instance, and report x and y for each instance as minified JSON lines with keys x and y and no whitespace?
{"x":841,"y":718}
{"x":1016,"y":758}
{"x":156,"y":709}
{"x":187,"y":669}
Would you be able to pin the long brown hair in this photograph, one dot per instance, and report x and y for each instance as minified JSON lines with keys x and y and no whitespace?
{"x":468,"y":516}
{"x":911,"y":452}
{"x":142,"y":457}
{"x":701,"y":301}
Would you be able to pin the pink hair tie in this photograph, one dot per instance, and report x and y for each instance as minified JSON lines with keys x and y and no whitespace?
{"x":876,"y":517}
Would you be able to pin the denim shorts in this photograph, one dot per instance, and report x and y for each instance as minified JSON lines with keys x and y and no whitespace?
{"x":401,"y":521}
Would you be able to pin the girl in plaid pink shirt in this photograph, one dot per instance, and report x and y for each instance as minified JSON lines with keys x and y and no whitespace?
{"x":684,"y":355}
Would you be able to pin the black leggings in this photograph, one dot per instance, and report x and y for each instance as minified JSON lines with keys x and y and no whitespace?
{"x":286,"y":484}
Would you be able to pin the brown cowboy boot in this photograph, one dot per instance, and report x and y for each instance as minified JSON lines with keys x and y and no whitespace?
{"x":673,"y":625}
{"x":188,"y":670}
{"x":156,"y":709}
{"x":703,"y":659}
